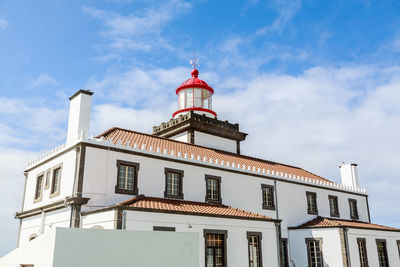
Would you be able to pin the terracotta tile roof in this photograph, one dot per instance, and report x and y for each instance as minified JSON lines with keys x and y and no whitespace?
{"x":322,"y":222}
{"x":125,"y":136}
{"x":154,"y":204}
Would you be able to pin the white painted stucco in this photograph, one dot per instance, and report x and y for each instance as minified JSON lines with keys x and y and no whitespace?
{"x":213,"y":141}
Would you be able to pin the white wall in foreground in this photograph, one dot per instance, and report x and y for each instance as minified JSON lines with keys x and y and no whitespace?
{"x":104,"y":248}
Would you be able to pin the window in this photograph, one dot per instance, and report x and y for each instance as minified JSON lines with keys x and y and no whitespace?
{"x":55,"y":183}
{"x":353,"y":209}
{"x":215,"y":248}
{"x":382,"y":253}
{"x":213,"y":189}
{"x":268,"y":197}
{"x":173,"y":183}
{"x":39,"y":188}
{"x":127,"y":178}
{"x":47,"y":181}
{"x":254,"y":243}
{"x":362,"y":251}
{"x":284,"y":251}
{"x":312,"y":203}
{"x":163,"y":228}
{"x":314,"y":252}
{"x":398,"y":246}
{"x":333,"y":205}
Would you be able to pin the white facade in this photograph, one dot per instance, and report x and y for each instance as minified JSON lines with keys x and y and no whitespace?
{"x":87,"y":194}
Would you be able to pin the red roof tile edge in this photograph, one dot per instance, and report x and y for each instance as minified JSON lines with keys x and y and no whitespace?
{"x":185,"y":207}
{"x":113,"y":129}
{"x":324,"y":222}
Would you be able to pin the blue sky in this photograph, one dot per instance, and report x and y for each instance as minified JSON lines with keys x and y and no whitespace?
{"x":314,"y":83}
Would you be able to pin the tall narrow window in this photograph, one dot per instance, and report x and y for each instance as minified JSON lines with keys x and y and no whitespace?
{"x":254,"y":243}
{"x":314,"y":252}
{"x":47,"y":180}
{"x":312,"y":203}
{"x":215,"y":248}
{"x":268,"y":197}
{"x":382,"y":253}
{"x":213,"y":189}
{"x":353,"y":209}
{"x":127,"y":178}
{"x":333,"y":205}
{"x":55,"y":183}
{"x":173,"y":183}
{"x":285,"y":254}
{"x":362,"y":251}
{"x":39,"y":188}
{"x":398,"y":246}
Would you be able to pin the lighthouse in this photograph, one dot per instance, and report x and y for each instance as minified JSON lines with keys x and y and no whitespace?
{"x":196,"y":122}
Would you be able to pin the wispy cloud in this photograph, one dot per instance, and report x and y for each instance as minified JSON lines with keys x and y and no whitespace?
{"x":3,"y":24}
{"x":43,"y":79}
{"x":141,"y":30}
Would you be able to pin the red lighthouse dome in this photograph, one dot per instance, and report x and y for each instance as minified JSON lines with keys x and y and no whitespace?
{"x":195,"y":95}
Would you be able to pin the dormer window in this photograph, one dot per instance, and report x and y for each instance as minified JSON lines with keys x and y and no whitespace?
{"x":127,"y":178}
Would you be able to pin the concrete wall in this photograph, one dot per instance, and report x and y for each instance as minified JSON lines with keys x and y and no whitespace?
{"x":331,"y":248}
{"x":237,"y":243}
{"x":237,"y":190}
{"x":66,"y":183}
{"x":82,"y":248}
{"x":213,"y":141}
{"x":32,"y":225}
{"x":372,"y":252}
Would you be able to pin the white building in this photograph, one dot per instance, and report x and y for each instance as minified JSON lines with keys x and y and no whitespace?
{"x":189,"y":177}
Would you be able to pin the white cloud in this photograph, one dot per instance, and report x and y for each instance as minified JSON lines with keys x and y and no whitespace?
{"x":43,"y":79}
{"x":141,"y":30}
{"x":3,"y":24}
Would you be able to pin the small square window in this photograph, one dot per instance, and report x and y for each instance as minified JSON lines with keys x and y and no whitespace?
{"x":268,"y":197}
{"x":127,"y":178}
{"x":353,"y":209}
{"x":173,"y":183}
{"x":312,"y":207}
{"x":213,"y":189}
{"x":333,"y":205}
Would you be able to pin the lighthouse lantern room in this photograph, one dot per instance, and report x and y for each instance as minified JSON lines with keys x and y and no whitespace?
{"x":195,"y":95}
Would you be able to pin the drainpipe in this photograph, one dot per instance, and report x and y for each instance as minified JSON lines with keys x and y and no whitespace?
{"x":278,"y":238}
{"x":346,"y":245}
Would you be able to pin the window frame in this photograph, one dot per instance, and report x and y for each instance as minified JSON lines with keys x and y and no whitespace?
{"x":364,"y":241}
{"x":135,"y":190}
{"x":263,"y":189}
{"x":308,"y":240}
{"x":52,"y":192}
{"x":314,"y":194}
{"x":181,"y":173}
{"x":47,"y":180}
{"x":225,"y":237}
{"x":286,"y":251}
{"x":259,"y":236}
{"x":218,"y":179}
{"x":337,"y":215}
{"x":377,"y":251}
{"x":164,"y":228}
{"x":37,"y":198}
{"x":398,"y":246}
{"x":356,"y":216}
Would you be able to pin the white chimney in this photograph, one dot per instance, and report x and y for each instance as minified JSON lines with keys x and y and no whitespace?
{"x":349,"y":174}
{"x":79,"y":115}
